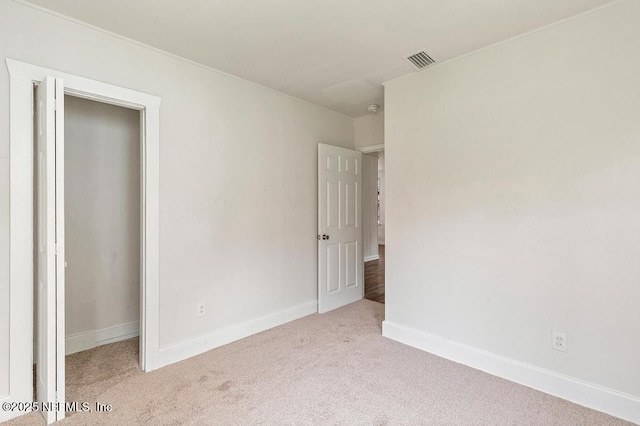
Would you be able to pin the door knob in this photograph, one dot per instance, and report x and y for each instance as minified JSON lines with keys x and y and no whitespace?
{"x":325,"y":237}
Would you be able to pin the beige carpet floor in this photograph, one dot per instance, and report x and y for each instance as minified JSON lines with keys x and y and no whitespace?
{"x":327,"y":369}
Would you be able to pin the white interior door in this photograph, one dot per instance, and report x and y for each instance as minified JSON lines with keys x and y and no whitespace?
{"x":50,"y":247}
{"x":340,"y":256}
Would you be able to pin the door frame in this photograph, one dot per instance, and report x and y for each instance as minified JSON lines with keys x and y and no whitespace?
{"x":22,"y":78}
{"x":369,"y":149}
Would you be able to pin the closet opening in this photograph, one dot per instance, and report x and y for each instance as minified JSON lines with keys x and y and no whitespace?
{"x":102,"y":245}
{"x":37,"y":333}
{"x":102,"y":241}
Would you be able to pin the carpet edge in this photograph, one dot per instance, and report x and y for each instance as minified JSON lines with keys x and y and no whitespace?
{"x":181,"y":351}
{"x":590,"y":395}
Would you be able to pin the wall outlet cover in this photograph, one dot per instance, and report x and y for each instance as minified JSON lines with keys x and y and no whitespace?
{"x":201,"y":310}
{"x":559,"y":341}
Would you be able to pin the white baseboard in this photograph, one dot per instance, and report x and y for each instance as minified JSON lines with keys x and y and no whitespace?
{"x":381,"y":243}
{"x":93,"y":338}
{"x":184,"y":350}
{"x":370,"y":258}
{"x":587,"y":394}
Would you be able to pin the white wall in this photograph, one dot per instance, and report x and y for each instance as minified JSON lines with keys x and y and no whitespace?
{"x":369,"y":130}
{"x":238,"y":201}
{"x":383,"y":197}
{"x":102,"y":212}
{"x":513,"y":207}
{"x":370,"y":206}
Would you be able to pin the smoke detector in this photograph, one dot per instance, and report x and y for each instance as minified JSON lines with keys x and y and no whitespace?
{"x":419,"y":60}
{"x":373,"y":108}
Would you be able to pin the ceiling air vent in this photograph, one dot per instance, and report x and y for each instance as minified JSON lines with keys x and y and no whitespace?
{"x":420,"y":60}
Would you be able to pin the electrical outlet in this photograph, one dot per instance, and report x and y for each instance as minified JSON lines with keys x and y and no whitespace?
{"x":201,"y":310}
{"x":559,"y":341}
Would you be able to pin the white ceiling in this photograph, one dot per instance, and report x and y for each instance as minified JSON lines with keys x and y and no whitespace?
{"x":333,"y":53}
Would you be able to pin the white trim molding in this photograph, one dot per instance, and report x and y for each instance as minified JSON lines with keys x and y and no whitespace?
{"x":22,"y":77}
{"x":370,"y":258}
{"x":20,"y":246}
{"x":587,"y":394}
{"x":199,"y":345}
{"x":371,"y":148}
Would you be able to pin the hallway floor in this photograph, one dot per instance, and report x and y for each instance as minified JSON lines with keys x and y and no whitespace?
{"x":374,"y":278}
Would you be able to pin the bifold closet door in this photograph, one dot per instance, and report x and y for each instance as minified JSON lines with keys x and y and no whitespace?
{"x":49,"y":110}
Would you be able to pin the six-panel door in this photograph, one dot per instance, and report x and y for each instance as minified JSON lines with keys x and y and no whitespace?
{"x":340,"y":257}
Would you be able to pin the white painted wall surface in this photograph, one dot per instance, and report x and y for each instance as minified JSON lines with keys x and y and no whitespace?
{"x":102,"y":209}
{"x":513,"y":205}
{"x":369,"y":130}
{"x":370,"y":206}
{"x":238,"y":176}
{"x":383,"y":197}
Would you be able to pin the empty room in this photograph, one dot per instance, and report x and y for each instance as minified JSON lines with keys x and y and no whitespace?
{"x":320,"y":212}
